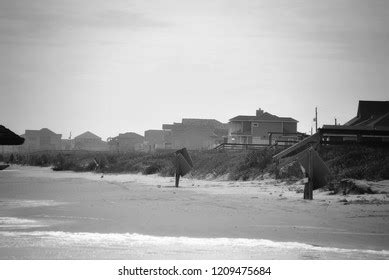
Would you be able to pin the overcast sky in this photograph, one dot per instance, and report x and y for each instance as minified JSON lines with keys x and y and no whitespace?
{"x":126,"y":65}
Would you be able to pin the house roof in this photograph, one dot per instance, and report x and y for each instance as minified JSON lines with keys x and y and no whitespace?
{"x":371,"y":114}
{"x":42,"y":130}
{"x":382,"y":122}
{"x":202,"y":122}
{"x":187,"y":122}
{"x":263,"y":117}
{"x":87,"y":135}
{"x":47,"y":130}
{"x":129,"y":135}
{"x":368,"y":108}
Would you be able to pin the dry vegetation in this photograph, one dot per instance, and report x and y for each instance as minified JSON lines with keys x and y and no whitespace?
{"x":357,"y":162}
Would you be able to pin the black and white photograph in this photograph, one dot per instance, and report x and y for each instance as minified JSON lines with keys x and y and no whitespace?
{"x":194,"y":130}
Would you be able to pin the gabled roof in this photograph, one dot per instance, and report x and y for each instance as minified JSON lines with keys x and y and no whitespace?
{"x":369,"y":108}
{"x":371,"y":113}
{"x":187,"y":122}
{"x":129,"y":135}
{"x":87,"y":135}
{"x":382,"y":122}
{"x":42,"y":130}
{"x":264,"y":117}
{"x":202,"y":122}
{"x":47,"y":131}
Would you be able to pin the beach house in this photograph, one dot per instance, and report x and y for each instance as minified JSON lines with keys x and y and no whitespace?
{"x":153,"y":140}
{"x":194,"y":134}
{"x":262,"y":128}
{"x":39,"y":140}
{"x":89,"y":142}
{"x":124,"y":142}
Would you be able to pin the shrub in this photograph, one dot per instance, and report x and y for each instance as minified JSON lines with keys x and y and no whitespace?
{"x":357,"y":162}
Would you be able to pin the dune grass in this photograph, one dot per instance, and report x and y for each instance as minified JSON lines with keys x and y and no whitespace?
{"x":358,"y":162}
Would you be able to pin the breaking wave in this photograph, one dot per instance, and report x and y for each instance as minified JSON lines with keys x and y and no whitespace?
{"x":138,"y":246}
{"x":21,"y":203}
{"x":16,"y":223}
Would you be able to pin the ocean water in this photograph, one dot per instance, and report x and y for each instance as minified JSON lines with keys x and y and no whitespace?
{"x":19,"y":240}
{"x":31,"y":238}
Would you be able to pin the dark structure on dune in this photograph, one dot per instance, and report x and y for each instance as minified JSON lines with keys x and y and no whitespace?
{"x":370,"y":127}
{"x":7,"y":137}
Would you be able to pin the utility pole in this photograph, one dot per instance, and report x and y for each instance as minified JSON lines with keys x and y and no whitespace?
{"x":316,"y":118}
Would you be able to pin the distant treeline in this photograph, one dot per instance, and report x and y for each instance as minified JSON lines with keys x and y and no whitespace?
{"x":357,"y":162}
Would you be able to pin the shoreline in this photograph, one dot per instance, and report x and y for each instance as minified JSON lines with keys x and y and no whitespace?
{"x":138,"y":246}
{"x":267,"y":185}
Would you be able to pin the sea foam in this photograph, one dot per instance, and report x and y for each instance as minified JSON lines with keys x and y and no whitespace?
{"x":25,"y":203}
{"x":133,"y":245}
{"x":16,"y":223}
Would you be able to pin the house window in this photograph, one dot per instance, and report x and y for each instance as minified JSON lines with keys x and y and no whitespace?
{"x":255,"y":124}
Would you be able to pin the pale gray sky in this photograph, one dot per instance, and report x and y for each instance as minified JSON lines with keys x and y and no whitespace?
{"x":131,"y":65}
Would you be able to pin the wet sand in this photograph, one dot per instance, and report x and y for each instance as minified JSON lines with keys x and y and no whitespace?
{"x":41,"y":200}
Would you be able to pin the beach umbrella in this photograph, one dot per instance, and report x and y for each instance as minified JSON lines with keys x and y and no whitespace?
{"x":7,"y":137}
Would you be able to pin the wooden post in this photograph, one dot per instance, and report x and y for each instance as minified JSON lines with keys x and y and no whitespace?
{"x":177,"y":178}
{"x":270,"y":136}
{"x":177,"y":170}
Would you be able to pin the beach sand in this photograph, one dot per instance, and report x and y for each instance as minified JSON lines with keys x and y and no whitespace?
{"x":50,"y":215}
